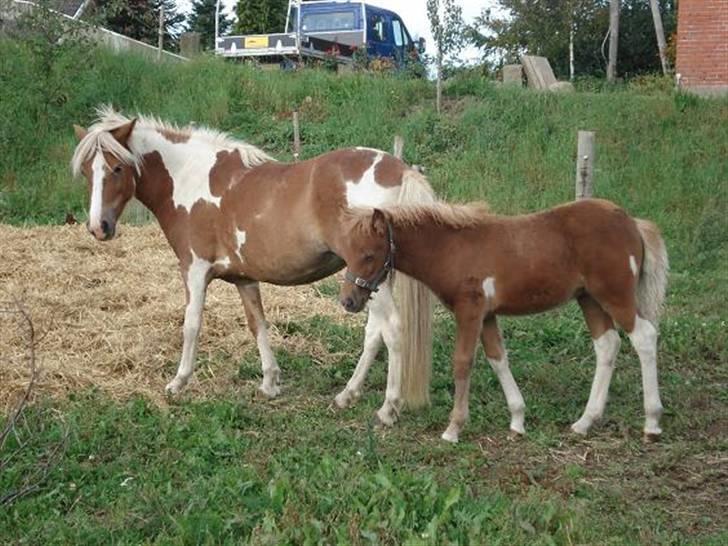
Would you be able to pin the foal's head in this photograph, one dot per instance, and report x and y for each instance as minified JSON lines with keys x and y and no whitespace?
{"x":110,"y":168}
{"x":368,"y":250}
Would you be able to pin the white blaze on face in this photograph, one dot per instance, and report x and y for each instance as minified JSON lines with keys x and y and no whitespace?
{"x":239,"y":242}
{"x":489,"y":287}
{"x":188,"y":164}
{"x":633,"y":265}
{"x":367,"y":192}
{"x":97,"y":191}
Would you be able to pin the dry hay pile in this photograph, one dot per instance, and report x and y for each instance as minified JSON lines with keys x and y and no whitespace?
{"x":109,"y":315}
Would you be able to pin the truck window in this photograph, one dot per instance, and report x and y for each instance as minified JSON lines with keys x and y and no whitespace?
{"x":327,"y":22}
{"x":378,"y":28}
{"x":399,"y":40}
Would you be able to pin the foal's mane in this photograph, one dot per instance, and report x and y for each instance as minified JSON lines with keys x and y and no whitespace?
{"x":455,"y":216}
{"x":99,"y":138}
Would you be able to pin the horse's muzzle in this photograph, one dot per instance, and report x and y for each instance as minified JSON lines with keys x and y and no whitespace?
{"x":104,"y":232}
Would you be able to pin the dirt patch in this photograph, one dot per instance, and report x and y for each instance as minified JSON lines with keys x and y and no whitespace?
{"x":109,"y":315}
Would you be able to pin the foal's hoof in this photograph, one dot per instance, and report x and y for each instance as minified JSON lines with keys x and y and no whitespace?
{"x":651,"y":437}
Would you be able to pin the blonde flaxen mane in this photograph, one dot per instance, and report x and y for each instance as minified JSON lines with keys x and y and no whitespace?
{"x":455,"y":216}
{"x":99,"y":139}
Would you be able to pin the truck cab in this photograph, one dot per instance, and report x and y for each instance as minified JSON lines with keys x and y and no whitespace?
{"x":316,"y":28}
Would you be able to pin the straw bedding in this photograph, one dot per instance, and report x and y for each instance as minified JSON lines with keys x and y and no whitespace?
{"x":109,"y":316}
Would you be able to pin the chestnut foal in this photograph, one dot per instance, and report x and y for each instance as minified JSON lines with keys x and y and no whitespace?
{"x":482,"y":265}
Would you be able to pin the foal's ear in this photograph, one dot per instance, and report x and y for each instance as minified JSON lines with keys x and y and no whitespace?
{"x":379,"y":222}
{"x":122,"y":134}
{"x":80,"y":132}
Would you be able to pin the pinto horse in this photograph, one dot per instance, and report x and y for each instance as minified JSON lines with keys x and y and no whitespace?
{"x":230,"y":212}
{"x":482,"y":265}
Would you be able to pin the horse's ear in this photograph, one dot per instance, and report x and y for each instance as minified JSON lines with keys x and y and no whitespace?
{"x":379,"y":222}
{"x":122,"y":134}
{"x":80,"y":132}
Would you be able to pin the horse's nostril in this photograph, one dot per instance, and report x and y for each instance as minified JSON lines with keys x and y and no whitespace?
{"x":105,"y":227}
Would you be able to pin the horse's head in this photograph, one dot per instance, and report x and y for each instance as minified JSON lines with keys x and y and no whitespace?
{"x":104,"y":158}
{"x":368,"y":250}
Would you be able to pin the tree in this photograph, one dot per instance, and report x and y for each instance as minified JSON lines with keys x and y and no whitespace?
{"x":261,"y":16}
{"x":448,"y":32}
{"x":139,"y":19}
{"x":544,"y":27}
{"x":202,"y":20}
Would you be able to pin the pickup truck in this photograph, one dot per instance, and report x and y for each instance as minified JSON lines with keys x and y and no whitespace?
{"x":325,"y":29}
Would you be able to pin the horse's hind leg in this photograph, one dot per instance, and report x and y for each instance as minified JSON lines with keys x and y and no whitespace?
{"x":606,"y":346}
{"x":250,"y":295}
{"x":196,"y":282}
{"x":372,"y":343}
{"x":644,"y":339}
{"x":497,"y":356}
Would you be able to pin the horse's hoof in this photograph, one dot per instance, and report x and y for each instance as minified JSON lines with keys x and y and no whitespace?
{"x":269,"y":392}
{"x":172,"y":388}
{"x":385,"y":418}
{"x":450,"y":437}
{"x":651,"y":437}
{"x":345,"y":399}
{"x":579,"y":428}
{"x":514,"y":434}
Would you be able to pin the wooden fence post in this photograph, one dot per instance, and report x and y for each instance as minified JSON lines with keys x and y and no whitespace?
{"x":398,"y":146}
{"x":585,"y":151}
{"x":296,"y":136}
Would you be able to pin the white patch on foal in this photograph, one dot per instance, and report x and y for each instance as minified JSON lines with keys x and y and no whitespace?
{"x":97,"y":192}
{"x":633,"y":265}
{"x":366,"y":192}
{"x":239,"y":242}
{"x":188,"y":164}
{"x":489,"y":287}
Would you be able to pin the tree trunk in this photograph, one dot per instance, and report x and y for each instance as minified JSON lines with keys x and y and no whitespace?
{"x":439,"y":82}
{"x":661,"y":45}
{"x":613,"y":39}
{"x":571,"y":53}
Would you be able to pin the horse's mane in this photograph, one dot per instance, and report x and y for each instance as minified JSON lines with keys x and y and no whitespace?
{"x":454,"y":216}
{"x":99,"y":138}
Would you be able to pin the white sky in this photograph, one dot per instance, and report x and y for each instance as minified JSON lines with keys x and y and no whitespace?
{"x":413,"y":13}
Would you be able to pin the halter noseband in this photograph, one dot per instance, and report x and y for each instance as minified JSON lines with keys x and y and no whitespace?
{"x":381,"y":275}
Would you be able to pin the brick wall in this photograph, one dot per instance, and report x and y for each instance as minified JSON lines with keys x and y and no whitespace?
{"x":702,"y":45}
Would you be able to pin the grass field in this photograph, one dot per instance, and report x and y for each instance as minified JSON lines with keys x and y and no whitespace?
{"x":234,"y":468}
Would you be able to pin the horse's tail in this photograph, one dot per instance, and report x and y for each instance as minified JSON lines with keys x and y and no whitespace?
{"x":653,"y":277}
{"x":415,"y":304}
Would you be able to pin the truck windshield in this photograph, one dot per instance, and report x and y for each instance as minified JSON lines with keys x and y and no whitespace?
{"x":325,"y":22}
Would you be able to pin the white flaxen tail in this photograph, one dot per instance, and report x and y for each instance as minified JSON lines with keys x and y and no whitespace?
{"x":653,"y":278}
{"x":415,"y":305}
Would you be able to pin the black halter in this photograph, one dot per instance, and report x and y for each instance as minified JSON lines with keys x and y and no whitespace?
{"x":381,"y":275}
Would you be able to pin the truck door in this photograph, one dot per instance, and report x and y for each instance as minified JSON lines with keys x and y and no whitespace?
{"x":379,"y":34}
{"x":401,"y":39}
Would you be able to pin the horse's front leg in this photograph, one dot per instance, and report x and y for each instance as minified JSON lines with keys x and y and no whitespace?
{"x":250,"y":294}
{"x":372,"y":343}
{"x":196,"y":281}
{"x":469,"y":327}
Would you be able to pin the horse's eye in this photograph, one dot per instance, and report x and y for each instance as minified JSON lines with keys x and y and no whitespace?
{"x":117,"y":169}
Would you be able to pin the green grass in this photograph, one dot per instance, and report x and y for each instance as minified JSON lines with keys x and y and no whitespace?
{"x":294,"y":471}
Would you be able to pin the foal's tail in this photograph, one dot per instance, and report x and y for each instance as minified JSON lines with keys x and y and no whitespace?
{"x":415,"y":304}
{"x":653,"y":277}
